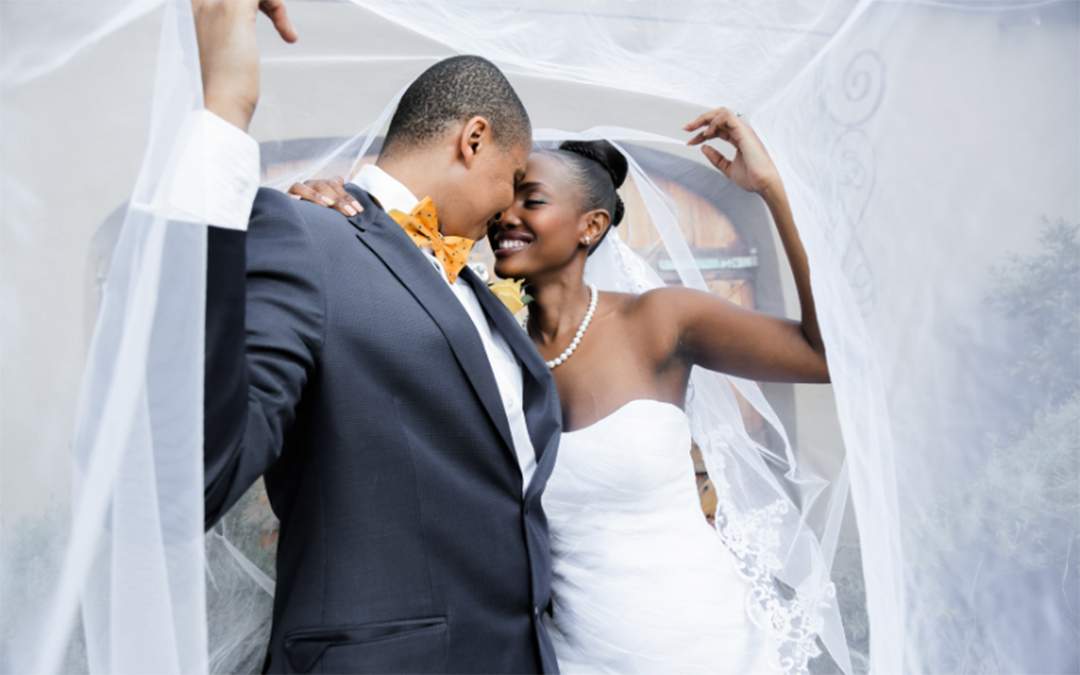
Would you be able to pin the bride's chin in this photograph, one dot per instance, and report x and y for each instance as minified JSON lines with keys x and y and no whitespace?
{"x":505,"y":271}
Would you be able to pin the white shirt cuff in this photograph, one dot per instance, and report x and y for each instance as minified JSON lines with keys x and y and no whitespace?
{"x":215,"y":174}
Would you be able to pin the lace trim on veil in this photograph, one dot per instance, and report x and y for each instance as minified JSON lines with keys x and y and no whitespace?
{"x":753,"y":537}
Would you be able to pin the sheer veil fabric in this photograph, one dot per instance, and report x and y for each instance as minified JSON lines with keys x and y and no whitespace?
{"x":921,"y":515}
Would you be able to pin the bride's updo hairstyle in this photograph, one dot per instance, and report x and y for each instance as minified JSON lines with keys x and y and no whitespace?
{"x":600,"y":169}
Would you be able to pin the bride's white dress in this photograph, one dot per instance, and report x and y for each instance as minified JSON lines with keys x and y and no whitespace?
{"x":642,"y":583}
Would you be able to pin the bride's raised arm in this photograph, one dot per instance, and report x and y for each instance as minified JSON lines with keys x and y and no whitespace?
{"x":720,"y":335}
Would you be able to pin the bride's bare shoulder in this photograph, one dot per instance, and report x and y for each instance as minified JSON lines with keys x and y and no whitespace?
{"x":619,"y":302}
{"x":653,"y":316}
{"x":659,"y":308}
{"x":661,"y":303}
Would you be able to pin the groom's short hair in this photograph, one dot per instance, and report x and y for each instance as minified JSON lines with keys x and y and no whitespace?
{"x":455,"y":90}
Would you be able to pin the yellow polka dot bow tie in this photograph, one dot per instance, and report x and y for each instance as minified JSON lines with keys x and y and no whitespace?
{"x":422,"y":226}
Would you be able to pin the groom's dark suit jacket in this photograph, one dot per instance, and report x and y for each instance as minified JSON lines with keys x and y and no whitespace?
{"x":343,"y":367}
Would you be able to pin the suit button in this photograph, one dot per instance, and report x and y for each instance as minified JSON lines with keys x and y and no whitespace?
{"x":536,"y":611}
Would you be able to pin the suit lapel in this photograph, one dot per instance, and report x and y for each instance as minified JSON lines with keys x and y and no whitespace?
{"x":389,"y":243}
{"x":507,"y":326}
{"x":541,"y":407}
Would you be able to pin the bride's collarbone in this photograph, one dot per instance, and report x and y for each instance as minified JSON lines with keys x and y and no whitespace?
{"x":589,"y":396}
{"x":614,"y":365}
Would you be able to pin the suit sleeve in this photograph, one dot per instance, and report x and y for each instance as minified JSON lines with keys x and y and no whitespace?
{"x":264,"y":306}
{"x":265,"y":318}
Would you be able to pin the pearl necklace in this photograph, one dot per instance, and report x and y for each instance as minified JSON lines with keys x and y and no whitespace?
{"x":561,"y":358}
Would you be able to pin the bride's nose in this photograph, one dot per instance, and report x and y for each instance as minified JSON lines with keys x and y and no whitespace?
{"x":508,"y":219}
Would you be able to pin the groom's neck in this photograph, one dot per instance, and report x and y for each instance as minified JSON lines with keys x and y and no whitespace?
{"x":415,"y":171}
{"x":432,"y":175}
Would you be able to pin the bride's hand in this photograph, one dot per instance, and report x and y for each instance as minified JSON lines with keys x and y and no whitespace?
{"x":751,"y":169}
{"x":327,"y":192}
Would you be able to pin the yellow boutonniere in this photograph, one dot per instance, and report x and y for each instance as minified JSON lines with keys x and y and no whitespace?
{"x":511,"y":292}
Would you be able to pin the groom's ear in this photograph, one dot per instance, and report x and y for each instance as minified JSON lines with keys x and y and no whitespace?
{"x":474,"y":135}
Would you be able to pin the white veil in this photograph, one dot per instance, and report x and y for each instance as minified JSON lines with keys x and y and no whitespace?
{"x":931,"y":151}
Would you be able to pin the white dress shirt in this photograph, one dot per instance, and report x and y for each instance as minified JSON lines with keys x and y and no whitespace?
{"x":214,"y":180}
{"x":214,"y":176}
{"x":392,"y":195}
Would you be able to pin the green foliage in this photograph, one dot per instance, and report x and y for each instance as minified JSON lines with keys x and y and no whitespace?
{"x":1028,"y":497}
{"x":1030,"y":503}
{"x":1016,"y":518}
{"x":1040,"y":297}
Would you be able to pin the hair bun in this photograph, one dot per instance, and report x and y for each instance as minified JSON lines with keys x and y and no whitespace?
{"x":620,"y":211}
{"x":603,"y":153}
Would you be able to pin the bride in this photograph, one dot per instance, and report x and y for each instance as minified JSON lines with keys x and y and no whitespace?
{"x":641,"y":581}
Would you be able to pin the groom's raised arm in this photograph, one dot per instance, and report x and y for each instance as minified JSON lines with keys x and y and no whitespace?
{"x":263,"y":304}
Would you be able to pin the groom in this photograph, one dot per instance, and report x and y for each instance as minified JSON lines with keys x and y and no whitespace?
{"x":403,"y":422}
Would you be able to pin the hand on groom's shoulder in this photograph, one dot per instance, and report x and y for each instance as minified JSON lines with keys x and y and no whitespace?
{"x":313,"y":234}
{"x":329,"y":192}
{"x":272,"y":205}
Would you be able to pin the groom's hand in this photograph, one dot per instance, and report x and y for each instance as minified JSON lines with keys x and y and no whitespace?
{"x":229,"y":56}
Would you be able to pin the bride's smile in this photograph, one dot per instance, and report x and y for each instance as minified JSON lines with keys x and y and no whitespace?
{"x":509,"y":242}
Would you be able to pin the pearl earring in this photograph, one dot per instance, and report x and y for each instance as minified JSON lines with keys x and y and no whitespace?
{"x":588,"y":240}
